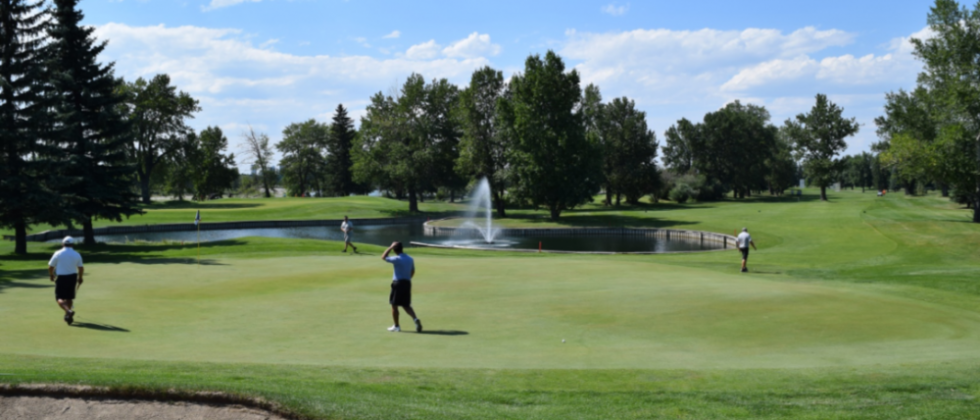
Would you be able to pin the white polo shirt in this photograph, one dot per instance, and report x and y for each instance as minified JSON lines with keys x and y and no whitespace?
{"x":65,"y":262}
{"x":347,"y":227}
{"x":743,"y":240}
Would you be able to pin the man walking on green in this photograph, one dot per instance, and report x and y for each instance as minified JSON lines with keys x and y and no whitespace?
{"x":401,"y":284}
{"x":65,"y":269}
{"x":743,"y":241}
{"x":348,"y":229}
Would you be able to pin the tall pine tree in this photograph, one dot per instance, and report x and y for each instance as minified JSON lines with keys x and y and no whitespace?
{"x":342,"y":135}
{"x":89,"y":125}
{"x":26,"y":194}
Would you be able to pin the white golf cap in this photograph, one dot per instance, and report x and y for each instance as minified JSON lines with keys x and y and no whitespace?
{"x":68,"y":241}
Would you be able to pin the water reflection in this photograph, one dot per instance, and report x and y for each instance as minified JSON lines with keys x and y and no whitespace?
{"x":384,"y":235}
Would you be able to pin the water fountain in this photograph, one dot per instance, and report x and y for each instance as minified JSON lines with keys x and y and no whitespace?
{"x":481,"y":201}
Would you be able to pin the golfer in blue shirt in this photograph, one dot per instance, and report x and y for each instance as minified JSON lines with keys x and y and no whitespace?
{"x":401,"y":285}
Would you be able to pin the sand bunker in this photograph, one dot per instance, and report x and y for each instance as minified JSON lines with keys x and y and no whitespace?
{"x":53,"y":408}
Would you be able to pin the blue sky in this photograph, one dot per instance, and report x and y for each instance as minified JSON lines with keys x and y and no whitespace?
{"x":268,"y":63}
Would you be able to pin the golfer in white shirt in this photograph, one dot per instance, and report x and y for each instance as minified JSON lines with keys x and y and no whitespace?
{"x":744,"y":240}
{"x":65,"y":269}
{"x":348,"y":229}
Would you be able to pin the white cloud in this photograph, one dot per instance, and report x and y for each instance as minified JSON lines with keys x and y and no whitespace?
{"x":896,"y":65}
{"x":217,"y":4}
{"x":238,"y":81}
{"x":424,"y":51}
{"x":612,"y":9}
{"x":668,"y":49}
{"x":393,"y":35}
{"x":772,"y":71}
{"x":363,"y":41}
{"x":475,"y":45}
{"x":674,"y":74}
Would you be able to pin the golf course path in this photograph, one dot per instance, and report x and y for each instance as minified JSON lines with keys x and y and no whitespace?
{"x":53,"y":408}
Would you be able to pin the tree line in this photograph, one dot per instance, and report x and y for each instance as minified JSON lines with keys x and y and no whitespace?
{"x":79,"y":144}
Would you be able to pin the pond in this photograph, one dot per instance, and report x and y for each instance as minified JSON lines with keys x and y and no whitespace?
{"x":385,"y":234}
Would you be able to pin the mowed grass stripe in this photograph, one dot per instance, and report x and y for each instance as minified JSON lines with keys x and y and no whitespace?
{"x":486,"y":313}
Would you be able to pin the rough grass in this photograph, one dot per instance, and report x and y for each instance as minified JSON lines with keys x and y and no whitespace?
{"x":857,"y":308}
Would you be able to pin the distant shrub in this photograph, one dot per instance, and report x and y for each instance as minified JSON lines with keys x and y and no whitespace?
{"x":681,"y":193}
{"x":710,"y":190}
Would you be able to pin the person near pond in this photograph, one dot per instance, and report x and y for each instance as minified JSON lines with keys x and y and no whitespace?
{"x":348,"y":229}
{"x":401,"y":284}
{"x":65,"y":270}
{"x":743,"y":241}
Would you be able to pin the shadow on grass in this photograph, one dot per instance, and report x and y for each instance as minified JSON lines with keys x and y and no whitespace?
{"x":150,"y":254}
{"x":98,"y":327}
{"x":444,"y":332}
{"x":25,"y":279}
{"x":764,"y":272}
{"x":193,"y":205}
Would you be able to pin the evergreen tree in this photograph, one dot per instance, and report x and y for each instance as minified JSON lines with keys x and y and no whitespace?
{"x":339,"y":164}
{"x":89,"y":125}
{"x":552,"y":161}
{"x":27,"y":185}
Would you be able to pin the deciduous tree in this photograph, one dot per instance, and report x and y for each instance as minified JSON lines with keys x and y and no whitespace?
{"x":630,"y":150}
{"x":952,"y":77}
{"x":819,"y":137}
{"x":213,"y":172}
{"x":258,"y":154}
{"x":410,"y":142}
{"x":303,"y":147}
{"x":553,"y":163}
{"x":156,"y":112}
{"x":484,"y":143}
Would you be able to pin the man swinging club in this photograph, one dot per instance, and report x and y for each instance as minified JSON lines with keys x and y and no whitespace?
{"x":401,"y":285}
{"x":66,"y":264}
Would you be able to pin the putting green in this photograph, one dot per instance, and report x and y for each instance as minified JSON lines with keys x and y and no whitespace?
{"x":486,"y":312}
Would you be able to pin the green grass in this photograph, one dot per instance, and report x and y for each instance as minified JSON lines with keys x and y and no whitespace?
{"x":240,"y":209}
{"x":856,"y":308}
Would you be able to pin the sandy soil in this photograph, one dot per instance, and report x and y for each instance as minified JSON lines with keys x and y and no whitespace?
{"x":51,"y":408}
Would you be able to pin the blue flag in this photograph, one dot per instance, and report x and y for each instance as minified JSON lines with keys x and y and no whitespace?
{"x":198,"y":218}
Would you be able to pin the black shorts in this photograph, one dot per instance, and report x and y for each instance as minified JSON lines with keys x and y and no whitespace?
{"x":64,"y":287}
{"x":401,"y":293}
{"x":745,"y":253}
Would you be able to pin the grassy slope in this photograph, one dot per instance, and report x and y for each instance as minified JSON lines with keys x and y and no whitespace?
{"x":920,"y":244}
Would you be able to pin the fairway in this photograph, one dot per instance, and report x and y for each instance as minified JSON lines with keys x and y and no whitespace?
{"x":861,"y":307}
{"x":504,"y":312}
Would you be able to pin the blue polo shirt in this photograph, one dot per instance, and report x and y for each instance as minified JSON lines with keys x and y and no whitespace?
{"x":403,"y":265}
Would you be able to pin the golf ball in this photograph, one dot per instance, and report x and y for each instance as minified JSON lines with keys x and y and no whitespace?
{"x":563,"y":340}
